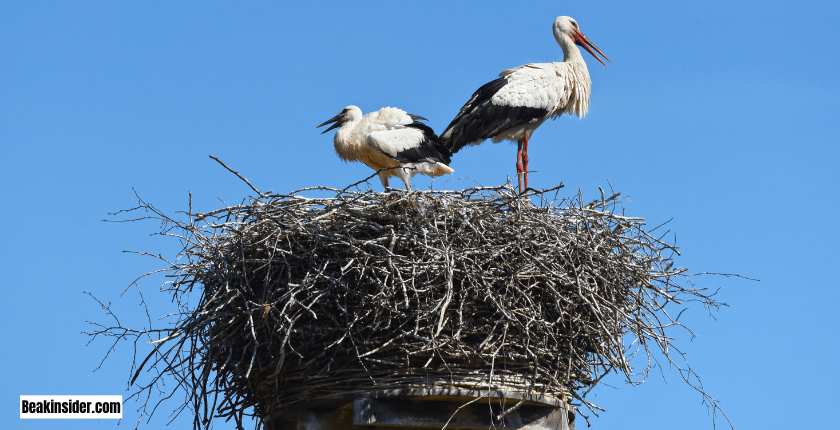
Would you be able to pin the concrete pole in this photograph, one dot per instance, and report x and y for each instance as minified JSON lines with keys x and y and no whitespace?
{"x":427,"y":409}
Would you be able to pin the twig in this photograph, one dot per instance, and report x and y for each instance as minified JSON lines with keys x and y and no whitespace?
{"x":239,"y":176}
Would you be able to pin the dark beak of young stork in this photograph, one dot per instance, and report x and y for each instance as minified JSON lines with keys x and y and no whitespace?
{"x":584,"y":41}
{"x":336,"y":119}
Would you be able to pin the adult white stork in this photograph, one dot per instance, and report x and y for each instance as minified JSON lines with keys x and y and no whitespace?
{"x":514,"y":105}
{"x":389,"y":139}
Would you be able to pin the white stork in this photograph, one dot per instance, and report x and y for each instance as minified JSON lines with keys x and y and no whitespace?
{"x":514,"y":105}
{"x":389,"y":139}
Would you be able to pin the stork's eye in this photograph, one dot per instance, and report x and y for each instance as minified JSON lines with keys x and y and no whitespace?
{"x":574,"y":23}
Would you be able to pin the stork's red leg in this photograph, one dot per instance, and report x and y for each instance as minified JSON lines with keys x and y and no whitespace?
{"x":525,"y":159}
{"x":519,"y":168}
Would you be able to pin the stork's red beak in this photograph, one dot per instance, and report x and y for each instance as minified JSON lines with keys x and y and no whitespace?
{"x":584,"y":41}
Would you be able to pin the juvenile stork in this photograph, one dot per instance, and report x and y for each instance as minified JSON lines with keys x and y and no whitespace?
{"x":514,"y":105}
{"x":389,"y":139}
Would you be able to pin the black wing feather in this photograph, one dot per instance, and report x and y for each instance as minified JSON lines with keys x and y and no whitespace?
{"x":429,"y":149}
{"x":417,"y":117}
{"x":480,"y":119}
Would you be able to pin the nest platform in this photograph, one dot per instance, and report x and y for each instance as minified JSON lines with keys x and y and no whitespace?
{"x":291,"y":300}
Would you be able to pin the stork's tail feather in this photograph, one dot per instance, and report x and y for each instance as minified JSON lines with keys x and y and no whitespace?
{"x":442,"y":169}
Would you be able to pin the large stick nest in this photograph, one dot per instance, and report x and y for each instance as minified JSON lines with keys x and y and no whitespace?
{"x":303,"y":298}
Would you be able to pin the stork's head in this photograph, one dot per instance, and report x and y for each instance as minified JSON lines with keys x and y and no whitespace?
{"x":566,"y":28}
{"x":348,"y":114}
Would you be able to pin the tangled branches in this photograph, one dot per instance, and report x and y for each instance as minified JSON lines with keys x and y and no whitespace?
{"x":305,"y":298}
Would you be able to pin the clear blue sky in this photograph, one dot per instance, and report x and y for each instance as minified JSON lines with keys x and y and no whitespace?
{"x":720,"y":114}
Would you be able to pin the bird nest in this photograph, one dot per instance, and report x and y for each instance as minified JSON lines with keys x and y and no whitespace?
{"x":304,"y":298}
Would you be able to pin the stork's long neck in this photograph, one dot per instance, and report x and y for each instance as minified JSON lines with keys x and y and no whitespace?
{"x":577,"y":77}
{"x":571,"y":53}
{"x":346,"y":142}
{"x":344,"y":134}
